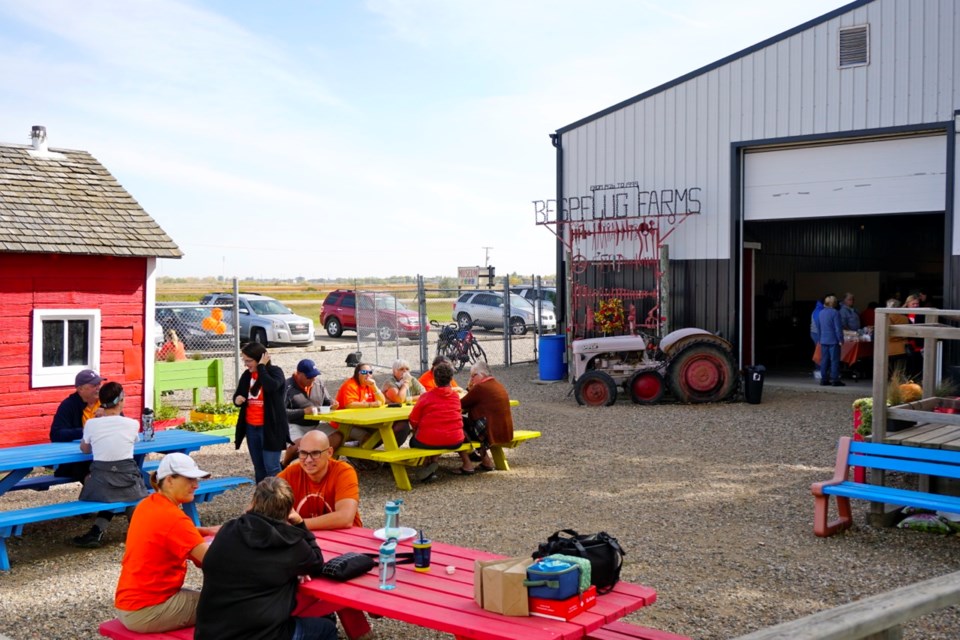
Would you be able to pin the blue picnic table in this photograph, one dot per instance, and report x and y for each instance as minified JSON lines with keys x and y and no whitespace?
{"x":16,"y":463}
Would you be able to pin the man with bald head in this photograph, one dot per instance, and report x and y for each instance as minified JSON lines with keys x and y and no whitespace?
{"x":326,"y":491}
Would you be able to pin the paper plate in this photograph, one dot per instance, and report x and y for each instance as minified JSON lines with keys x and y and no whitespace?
{"x":403,"y":533}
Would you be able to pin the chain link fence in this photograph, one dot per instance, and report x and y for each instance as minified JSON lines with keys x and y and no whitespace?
{"x":493,"y":324}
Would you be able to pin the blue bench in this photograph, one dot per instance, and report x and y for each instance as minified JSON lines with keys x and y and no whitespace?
{"x":42,"y":483}
{"x":12,"y":522}
{"x":888,"y":457}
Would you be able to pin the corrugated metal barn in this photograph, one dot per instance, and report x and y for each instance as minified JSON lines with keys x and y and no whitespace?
{"x":821,"y":160}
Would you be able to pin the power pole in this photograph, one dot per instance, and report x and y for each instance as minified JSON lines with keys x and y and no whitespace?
{"x":486,"y":257}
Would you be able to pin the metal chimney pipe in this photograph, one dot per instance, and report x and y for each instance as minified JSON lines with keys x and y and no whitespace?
{"x":38,"y":135}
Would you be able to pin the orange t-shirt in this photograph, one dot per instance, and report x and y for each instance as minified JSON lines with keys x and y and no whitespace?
{"x":159,"y":541}
{"x":254,"y":415}
{"x":312,"y":499}
{"x":178,"y":351}
{"x":90,"y":411}
{"x":427,"y":381}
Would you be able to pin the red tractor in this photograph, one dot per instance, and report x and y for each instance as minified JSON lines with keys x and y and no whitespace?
{"x":696,"y":366}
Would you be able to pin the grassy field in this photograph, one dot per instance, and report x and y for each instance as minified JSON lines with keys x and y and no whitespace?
{"x":304,"y":300}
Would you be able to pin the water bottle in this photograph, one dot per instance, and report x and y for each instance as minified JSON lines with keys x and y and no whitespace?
{"x":147,"y":420}
{"x":391,"y":526}
{"x":388,"y":564}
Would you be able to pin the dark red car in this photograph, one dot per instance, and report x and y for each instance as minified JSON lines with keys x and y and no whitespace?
{"x":379,"y":313}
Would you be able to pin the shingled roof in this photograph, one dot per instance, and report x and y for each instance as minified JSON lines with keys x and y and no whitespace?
{"x":64,"y":201}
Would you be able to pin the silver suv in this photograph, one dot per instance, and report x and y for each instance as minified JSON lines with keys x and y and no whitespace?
{"x":529,"y":293}
{"x":264,"y":319}
{"x":485,"y":308}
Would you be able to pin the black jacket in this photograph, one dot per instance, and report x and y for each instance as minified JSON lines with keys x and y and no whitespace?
{"x":276,"y":431}
{"x":250,"y":579}
{"x":67,"y":423}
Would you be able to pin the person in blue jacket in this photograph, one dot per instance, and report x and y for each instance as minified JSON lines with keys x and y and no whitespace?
{"x":831,"y":337}
{"x":814,"y":319}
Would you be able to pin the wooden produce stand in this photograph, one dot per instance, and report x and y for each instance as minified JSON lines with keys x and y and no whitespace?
{"x":931,"y":429}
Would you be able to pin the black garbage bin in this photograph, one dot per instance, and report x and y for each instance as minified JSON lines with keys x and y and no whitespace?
{"x":753,"y":383}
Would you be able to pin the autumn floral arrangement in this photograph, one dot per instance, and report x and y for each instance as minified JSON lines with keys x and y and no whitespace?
{"x":609,"y":318}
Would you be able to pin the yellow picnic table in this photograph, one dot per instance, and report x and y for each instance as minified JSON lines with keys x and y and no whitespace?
{"x":380,"y":420}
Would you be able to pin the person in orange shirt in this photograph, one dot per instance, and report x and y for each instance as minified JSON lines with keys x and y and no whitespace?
{"x":429,"y":383}
{"x":171,"y":350}
{"x":150,"y":597}
{"x":326,"y":492}
{"x":361,"y":392}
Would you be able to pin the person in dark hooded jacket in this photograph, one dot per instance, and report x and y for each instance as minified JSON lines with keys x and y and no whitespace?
{"x":251,"y":571}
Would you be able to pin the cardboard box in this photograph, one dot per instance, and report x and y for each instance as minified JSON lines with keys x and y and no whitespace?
{"x":563,"y":609}
{"x":498,"y":585}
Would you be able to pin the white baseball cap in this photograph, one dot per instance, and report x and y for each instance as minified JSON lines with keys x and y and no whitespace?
{"x":180,"y":464}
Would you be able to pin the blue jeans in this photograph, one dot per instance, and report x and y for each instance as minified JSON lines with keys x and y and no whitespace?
{"x":315,"y":629}
{"x":829,"y":363}
{"x":265,"y":462}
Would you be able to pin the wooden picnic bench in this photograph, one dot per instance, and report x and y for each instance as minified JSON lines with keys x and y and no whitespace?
{"x":380,"y":420}
{"x":942,"y":463}
{"x":44,"y":482}
{"x":406,"y":457}
{"x":12,"y":522}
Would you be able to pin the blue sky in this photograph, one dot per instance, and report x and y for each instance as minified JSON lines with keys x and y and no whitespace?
{"x":337,"y":138}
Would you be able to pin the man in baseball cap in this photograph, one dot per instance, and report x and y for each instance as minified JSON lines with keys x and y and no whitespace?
{"x":304,"y":395}
{"x":72,"y":414}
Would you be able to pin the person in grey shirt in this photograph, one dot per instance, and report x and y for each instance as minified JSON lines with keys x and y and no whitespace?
{"x":304,"y":395}
{"x":849,"y":318}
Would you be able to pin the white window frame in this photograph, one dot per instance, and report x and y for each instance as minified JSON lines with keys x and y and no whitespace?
{"x":62,"y":376}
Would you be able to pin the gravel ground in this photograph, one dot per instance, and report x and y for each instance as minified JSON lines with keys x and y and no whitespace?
{"x":711,"y":502}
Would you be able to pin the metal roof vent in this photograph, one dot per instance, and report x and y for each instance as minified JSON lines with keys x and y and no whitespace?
{"x":855,"y":46}
{"x":38,"y":134}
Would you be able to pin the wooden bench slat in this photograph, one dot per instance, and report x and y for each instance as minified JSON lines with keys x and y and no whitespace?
{"x":409,"y":454}
{"x":115,"y":629}
{"x":627,"y":631}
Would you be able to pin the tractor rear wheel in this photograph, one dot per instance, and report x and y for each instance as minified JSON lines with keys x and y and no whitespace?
{"x":702,"y":372}
{"x":595,"y":389}
{"x":646,"y":387}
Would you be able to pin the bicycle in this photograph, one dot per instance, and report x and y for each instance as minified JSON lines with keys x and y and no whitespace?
{"x":458,"y":345}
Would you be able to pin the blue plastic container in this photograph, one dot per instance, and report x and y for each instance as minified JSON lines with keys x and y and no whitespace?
{"x":563,"y":579}
{"x":552,"y":350}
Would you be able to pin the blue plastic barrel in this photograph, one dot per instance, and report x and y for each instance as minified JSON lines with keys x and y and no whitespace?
{"x":552,"y":349}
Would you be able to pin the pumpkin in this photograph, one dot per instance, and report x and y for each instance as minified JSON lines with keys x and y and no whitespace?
{"x":911,"y":392}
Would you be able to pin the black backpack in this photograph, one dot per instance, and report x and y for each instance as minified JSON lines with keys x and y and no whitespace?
{"x":601,"y":549}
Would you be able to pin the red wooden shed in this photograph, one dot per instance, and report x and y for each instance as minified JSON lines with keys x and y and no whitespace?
{"x":77,"y":283}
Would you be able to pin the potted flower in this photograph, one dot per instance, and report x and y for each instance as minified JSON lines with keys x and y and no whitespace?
{"x":222,"y":413}
{"x":166,"y":417}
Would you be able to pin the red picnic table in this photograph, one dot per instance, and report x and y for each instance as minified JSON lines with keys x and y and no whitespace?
{"x":444,"y":602}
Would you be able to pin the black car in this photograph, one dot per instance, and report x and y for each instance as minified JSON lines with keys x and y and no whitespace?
{"x":187,"y":319}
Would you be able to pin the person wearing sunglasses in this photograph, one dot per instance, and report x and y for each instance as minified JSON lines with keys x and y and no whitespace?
{"x":361,"y":392}
{"x":326,"y":491}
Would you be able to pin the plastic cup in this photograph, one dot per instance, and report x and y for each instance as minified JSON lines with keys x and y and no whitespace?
{"x":421,"y":555}
{"x":325,"y":409}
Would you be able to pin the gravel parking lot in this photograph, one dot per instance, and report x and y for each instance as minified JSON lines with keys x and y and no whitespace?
{"x":711,"y":502}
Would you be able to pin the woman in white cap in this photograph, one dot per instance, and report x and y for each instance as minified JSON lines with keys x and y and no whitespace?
{"x":150,"y":597}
